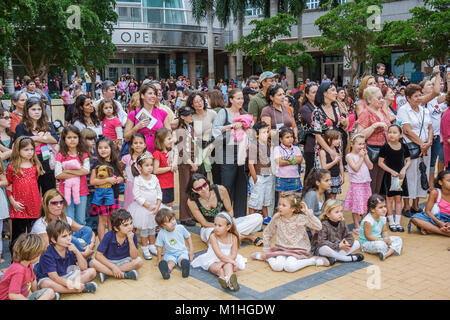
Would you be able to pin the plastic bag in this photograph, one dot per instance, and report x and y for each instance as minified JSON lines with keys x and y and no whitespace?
{"x":396,"y":184}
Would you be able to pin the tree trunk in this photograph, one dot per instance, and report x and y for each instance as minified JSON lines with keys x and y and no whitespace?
{"x":273,"y":8}
{"x":9,"y":80}
{"x":211,"y":76}
{"x":239,"y":59}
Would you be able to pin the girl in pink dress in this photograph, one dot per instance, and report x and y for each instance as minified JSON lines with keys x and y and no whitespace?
{"x":22,"y":174}
{"x":137,"y":147}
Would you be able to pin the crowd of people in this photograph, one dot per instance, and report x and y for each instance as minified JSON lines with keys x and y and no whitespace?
{"x":244,"y":158}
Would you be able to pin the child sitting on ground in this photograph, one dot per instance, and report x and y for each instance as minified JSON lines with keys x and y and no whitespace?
{"x":62,"y":267}
{"x":334,"y":240}
{"x":19,"y":281}
{"x":222,"y":258}
{"x":373,"y":235}
{"x":171,"y":239}
{"x":292,"y":247}
{"x":117,"y":254}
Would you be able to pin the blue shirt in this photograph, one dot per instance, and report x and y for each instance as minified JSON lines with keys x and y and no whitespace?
{"x":112,"y":250}
{"x":173,"y":242}
{"x":51,"y":261}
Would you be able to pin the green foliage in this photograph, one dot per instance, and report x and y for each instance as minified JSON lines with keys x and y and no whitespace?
{"x":425,"y":35}
{"x":346,"y":27}
{"x":262,"y":46}
{"x":200,"y":8}
{"x":38,"y":36}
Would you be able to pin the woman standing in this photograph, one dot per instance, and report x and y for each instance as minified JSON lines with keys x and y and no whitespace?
{"x":147,"y":101}
{"x":35,"y":125}
{"x":85,"y":116}
{"x":373,"y":123}
{"x":367,"y":81}
{"x":344,"y":118}
{"x":417,"y":128}
{"x":305,"y":117}
{"x":389,"y":97}
{"x":231,"y":165}
{"x":18,"y":101}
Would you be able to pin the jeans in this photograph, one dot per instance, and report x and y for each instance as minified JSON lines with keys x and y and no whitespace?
{"x":77,"y":211}
{"x":82,"y":238}
{"x":91,"y":221}
{"x":437,"y":151}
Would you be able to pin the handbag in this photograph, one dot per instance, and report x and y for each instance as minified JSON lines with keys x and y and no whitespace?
{"x":373,"y":152}
{"x":423,"y":175}
{"x":414,"y":148}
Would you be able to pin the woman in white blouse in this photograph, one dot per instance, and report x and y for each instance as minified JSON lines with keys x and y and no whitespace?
{"x":85,"y":116}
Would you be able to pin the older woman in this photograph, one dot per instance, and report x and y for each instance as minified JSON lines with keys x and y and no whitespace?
{"x":36,"y":125}
{"x":325,"y":117}
{"x":207,"y":200}
{"x":417,"y":128}
{"x":85,"y":116}
{"x":373,"y":123}
{"x":147,"y":101}
{"x":18,"y":101}
{"x":305,"y":117}
{"x":52,"y":209}
{"x":367,"y":81}
{"x":276,"y":114}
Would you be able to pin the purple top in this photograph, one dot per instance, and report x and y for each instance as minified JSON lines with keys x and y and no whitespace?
{"x":160,"y":115}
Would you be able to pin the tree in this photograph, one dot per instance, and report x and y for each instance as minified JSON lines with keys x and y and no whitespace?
{"x":41,"y":35}
{"x":424,"y":36}
{"x":204,"y":9}
{"x":347,"y":31}
{"x":262,"y":47}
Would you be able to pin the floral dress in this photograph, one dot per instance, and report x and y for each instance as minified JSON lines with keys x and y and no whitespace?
{"x":320,"y":124}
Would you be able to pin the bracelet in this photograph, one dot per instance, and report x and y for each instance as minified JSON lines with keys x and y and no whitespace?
{"x":293,"y":161}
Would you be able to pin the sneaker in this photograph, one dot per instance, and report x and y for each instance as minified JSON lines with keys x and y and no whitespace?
{"x":223,"y":283}
{"x":232,"y":283}
{"x":102,"y":277}
{"x":90,"y":287}
{"x":381,"y":256}
{"x":57,"y":296}
{"x":146,"y":253}
{"x":266,"y":221}
{"x":152,"y":249}
{"x":185,"y":268}
{"x":132,"y":275}
{"x":164,"y":269}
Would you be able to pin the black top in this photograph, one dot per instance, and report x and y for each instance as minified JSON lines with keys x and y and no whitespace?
{"x":394,"y":159}
{"x":335,"y":171}
{"x":211,"y":214}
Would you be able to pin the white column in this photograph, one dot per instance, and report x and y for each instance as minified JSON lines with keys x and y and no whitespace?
{"x":231,"y":67}
{"x":9,"y":79}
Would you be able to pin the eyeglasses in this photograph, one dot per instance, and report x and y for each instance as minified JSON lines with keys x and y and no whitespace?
{"x":6,"y":118}
{"x":57,"y":203}
{"x":201,"y":187}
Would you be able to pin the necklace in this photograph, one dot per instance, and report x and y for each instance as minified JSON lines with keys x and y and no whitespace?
{"x":207,"y":200}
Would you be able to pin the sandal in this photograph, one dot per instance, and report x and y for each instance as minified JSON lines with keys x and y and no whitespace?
{"x":257,"y":240}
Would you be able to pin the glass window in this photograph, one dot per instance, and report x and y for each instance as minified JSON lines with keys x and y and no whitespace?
{"x":312,"y":4}
{"x":175,"y":17}
{"x":132,"y":1}
{"x":113,"y":74}
{"x":153,"y":16}
{"x":153,"y":3}
{"x":129,"y":14}
{"x":174,"y":4}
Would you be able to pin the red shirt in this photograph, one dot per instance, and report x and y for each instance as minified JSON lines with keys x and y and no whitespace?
{"x":367,"y":118}
{"x":84,"y":190}
{"x":109,"y":127}
{"x":166,"y":180}
{"x":24,"y":190}
{"x":17,"y":279}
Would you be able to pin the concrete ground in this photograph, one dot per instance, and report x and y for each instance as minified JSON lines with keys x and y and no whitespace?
{"x":420,"y":272}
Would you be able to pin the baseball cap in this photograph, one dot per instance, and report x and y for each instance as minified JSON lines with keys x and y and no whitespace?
{"x":267,"y":75}
{"x":185,"y":111}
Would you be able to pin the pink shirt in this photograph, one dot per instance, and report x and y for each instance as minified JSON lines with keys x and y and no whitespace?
{"x":109,"y":127}
{"x":290,"y":171}
{"x":445,"y":135}
{"x":367,"y":118}
{"x":160,"y":115}
{"x":84,"y":191}
{"x":361,"y":176}
{"x":65,"y":95}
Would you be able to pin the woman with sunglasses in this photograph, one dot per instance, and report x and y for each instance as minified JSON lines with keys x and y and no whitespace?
{"x":52,"y":209}
{"x":206,"y":201}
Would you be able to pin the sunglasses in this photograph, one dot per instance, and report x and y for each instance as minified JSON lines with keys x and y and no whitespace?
{"x":6,"y":118}
{"x":201,"y":187}
{"x":57,"y":203}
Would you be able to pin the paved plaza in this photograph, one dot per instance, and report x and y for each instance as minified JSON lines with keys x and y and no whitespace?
{"x":420,"y":272}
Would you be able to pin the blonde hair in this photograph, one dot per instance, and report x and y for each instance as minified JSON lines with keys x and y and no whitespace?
{"x":329,"y":205}
{"x":28,"y":246}
{"x":352,"y":141}
{"x":16,"y":160}
{"x":295,"y":200}
{"x":363,"y":86}
{"x":134,"y":101}
{"x":370,"y":92}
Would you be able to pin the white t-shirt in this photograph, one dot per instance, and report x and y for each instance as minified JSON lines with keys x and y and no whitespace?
{"x":436,"y":110}
{"x":40,"y":226}
{"x":407,"y":115}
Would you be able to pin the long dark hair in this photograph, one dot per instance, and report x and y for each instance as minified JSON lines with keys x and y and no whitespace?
{"x":195,"y":177}
{"x":440,"y":177}
{"x":82,"y":147}
{"x":314,"y":176}
{"x":7,"y":130}
{"x":271,"y":92}
{"x":42,"y":124}
{"x":320,"y":98}
{"x":136,"y":135}
{"x":78,"y":112}
{"x":114,"y":154}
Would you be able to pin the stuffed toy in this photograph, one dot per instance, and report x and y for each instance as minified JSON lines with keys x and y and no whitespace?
{"x":104,"y":194}
{"x":72,"y":185}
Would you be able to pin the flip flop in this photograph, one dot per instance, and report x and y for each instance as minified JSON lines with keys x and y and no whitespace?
{"x":258,"y":239}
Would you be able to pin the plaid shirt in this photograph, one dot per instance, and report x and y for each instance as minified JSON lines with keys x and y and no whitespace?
{"x":331,"y":236}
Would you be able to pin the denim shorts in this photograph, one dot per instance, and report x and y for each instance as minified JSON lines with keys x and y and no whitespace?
{"x":103,"y":194}
{"x":425,"y":217}
{"x":176,"y":256}
{"x":288,"y":184}
{"x":437,"y":150}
